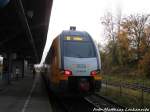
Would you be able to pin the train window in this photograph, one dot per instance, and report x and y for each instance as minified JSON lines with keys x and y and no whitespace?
{"x":79,"y":49}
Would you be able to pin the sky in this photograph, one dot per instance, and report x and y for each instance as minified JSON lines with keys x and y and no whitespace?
{"x":86,"y":16}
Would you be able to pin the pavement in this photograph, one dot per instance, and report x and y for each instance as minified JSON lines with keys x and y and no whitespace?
{"x":25,"y":95}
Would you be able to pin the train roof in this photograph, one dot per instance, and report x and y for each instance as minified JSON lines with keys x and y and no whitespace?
{"x":75,"y":33}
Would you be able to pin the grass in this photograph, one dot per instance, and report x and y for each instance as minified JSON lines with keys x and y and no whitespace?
{"x":127,"y":97}
{"x":124,"y":96}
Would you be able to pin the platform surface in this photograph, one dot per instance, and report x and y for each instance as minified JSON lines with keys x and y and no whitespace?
{"x":25,"y":95}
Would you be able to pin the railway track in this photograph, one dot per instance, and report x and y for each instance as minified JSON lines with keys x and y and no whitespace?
{"x":103,"y":104}
{"x":90,"y":104}
{"x":76,"y":105}
{"x":85,"y":104}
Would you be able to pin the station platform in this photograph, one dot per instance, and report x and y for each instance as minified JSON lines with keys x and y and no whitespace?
{"x":25,"y":95}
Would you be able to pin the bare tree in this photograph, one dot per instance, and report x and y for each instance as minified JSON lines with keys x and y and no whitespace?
{"x":110,"y":26}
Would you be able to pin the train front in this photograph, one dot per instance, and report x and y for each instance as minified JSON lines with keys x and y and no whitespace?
{"x":81,"y":63}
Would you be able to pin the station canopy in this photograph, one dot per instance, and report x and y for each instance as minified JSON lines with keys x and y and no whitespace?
{"x":24,"y":26}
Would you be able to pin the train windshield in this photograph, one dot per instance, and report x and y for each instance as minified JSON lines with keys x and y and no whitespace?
{"x":79,"y":49}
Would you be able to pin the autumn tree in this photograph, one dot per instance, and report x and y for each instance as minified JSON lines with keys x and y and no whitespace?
{"x":144,"y":65}
{"x":147,"y":38}
{"x":123,"y":47}
{"x":135,"y":27}
{"x":128,"y":42}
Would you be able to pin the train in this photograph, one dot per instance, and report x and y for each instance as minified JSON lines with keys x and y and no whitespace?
{"x":73,"y":64}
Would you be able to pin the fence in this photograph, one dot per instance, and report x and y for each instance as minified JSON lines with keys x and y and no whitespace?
{"x":144,"y":92}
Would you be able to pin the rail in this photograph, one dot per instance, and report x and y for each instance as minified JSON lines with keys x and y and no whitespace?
{"x":104,"y":104}
{"x":134,"y":86}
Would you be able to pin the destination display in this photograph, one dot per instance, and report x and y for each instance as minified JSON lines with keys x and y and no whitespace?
{"x":75,"y":38}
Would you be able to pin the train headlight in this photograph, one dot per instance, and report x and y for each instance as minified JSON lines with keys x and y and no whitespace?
{"x":67,"y":73}
{"x":95,"y":72}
